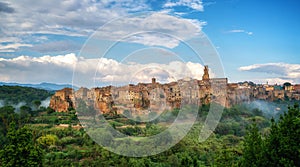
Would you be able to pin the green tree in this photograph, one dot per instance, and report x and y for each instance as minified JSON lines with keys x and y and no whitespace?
{"x":50,"y":110}
{"x":173,"y":160}
{"x":25,"y":114}
{"x":252,"y":148}
{"x":271,"y":153}
{"x":280,"y":148}
{"x":282,"y":145}
{"x":7,"y":115}
{"x":47,"y":140}
{"x":17,"y":94}
{"x":226,"y":157}
{"x":21,"y":150}
{"x":37,"y":103}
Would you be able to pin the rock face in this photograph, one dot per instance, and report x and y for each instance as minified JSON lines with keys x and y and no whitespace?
{"x":155,"y":97}
{"x":140,"y":98}
{"x":61,"y":101}
{"x":103,"y":99}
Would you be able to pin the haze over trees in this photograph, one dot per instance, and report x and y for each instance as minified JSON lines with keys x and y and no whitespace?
{"x":37,"y":136}
{"x":280,"y":147}
{"x":16,"y":94}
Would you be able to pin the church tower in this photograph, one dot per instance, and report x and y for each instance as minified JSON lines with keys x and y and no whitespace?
{"x":205,"y":76}
{"x":153,"y":81}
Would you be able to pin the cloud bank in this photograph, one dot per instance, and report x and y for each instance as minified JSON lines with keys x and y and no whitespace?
{"x":5,"y":8}
{"x":193,"y":4}
{"x":281,"y":72}
{"x":156,"y":29}
{"x":23,"y":20}
{"x":91,"y":72}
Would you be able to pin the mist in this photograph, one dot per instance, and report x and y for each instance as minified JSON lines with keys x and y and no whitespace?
{"x":1,"y":103}
{"x":16,"y":106}
{"x":45,"y":103}
{"x":269,"y":109}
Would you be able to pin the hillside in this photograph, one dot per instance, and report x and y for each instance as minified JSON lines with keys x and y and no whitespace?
{"x":62,"y":141}
{"x":44,"y":85}
{"x":17,"y":94}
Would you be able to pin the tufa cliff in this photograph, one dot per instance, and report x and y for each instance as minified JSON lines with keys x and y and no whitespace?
{"x":144,"y":97}
{"x":61,"y":101}
{"x":148,"y":97}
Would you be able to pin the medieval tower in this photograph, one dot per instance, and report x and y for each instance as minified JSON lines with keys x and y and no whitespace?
{"x":205,"y":76}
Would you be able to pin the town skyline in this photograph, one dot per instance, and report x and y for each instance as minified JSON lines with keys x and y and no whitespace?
{"x":156,"y":96}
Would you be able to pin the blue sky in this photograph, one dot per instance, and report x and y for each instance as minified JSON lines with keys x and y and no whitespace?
{"x":42,"y":41}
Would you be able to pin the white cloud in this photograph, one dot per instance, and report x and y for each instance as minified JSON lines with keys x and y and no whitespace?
{"x":12,"y":47}
{"x":154,"y":39}
{"x":273,"y":81}
{"x":193,"y":4}
{"x":26,"y":61}
{"x":9,"y":39}
{"x":59,"y":69}
{"x":82,"y":18}
{"x":282,"y":71}
{"x":240,"y":31}
{"x":56,"y":46}
{"x":7,"y":50}
{"x":135,"y":73}
{"x":70,"y":17}
{"x":63,"y":17}
{"x":113,"y":71}
{"x":26,"y":69}
{"x":5,"y":8}
{"x":157,"y":29}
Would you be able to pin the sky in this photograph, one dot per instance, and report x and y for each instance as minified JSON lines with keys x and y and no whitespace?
{"x":98,"y":42}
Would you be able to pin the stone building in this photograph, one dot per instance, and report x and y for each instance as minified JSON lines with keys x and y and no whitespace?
{"x":154,"y":96}
{"x":143,"y":96}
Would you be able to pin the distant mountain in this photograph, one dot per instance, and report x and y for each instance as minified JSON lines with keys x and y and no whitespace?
{"x":44,"y":85}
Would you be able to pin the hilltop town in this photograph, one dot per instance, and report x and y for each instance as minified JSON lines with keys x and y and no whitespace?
{"x":154,"y":96}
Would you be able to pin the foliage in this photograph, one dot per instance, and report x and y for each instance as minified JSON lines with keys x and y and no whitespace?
{"x":47,"y":140}
{"x":21,"y":149}
{"x":252,"y":148}
{"x":7,"y":115}
{"x":280,"y":148}
{"x":18,"y":94}
{"x":282,"y":145}
{"x":66,"y":144}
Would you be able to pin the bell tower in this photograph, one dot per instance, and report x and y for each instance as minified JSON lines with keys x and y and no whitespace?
{"x":205,"y":75}
{"x":153,"y":81}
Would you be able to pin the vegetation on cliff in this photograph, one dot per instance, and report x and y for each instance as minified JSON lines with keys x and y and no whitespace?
{"x":244,"y":137}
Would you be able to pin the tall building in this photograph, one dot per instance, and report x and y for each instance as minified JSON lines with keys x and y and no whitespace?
{"x":153,"y":80}
{"x":205,"y":76}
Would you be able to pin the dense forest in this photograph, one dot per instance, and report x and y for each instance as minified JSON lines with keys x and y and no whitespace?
{"x":10,"y":95}
{"x":244,"y":137}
